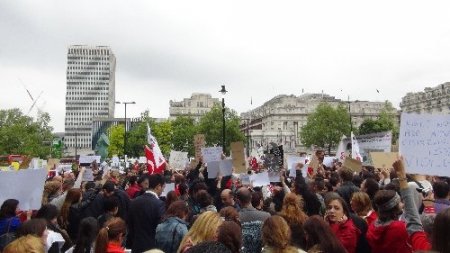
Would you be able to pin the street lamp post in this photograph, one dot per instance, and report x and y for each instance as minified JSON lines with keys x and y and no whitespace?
{"x":125,"y":134}
{"x":223,"y":91}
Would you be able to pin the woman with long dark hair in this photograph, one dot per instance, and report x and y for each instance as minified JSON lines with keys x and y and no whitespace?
{"x":49,"y":212}
{"x":338,"y":217}
{"x":8,"y":219}
{"x":87,"y":233}
{"x":320,"y":237}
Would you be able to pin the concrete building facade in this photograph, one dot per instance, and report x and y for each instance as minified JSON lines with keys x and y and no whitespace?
{"x":195,"y":106}
{"x":280,"y":119}
{"x":434,"y":100}
{"x":90,"y":93}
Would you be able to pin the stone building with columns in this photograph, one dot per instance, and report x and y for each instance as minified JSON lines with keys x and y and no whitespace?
{"x":280,"y":119}
{"x":195,"y":106}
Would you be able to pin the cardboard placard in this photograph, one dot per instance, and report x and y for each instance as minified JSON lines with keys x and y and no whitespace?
{"x":212,"y":154}
{"x":238,"y":155}
{"x":88,"y":159}
{"x":178,"y":160}
{"x":199,"y":143}
{"x":383,"y":159}
{"x":352,"y":164}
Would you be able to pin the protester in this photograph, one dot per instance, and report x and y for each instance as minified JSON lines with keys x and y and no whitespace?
{"x":110,"y":209}
{"x":362,"y":206}
{"x":230,"y":214}
{"x":338,"y":217}
{"x":441,"y":232}
{"x":347,"y":187}
{"x":174,"y":227}
{"x":276,"y":236}
{"x":70,"y":215}
{"x":145,"y":214}
{"x":25,"y":244}
{"x":227,"y":198}
{"x":133,"y":187}
{"x":204,"y":229}
{"x":320,"y":237}
{"x":295,"y":217}
{"x":170,"y":198}
{"x":58,"y":239}
{"x":110,"y":237}
{"x":36,"y":227}
{"x":230,"y":235}
{"x":210,"y":247}
{"x":441,"y":192}
{"x":52,"y":189}
{"x":87,"y":234}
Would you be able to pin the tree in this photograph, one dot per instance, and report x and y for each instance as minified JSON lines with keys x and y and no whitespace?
{"x":211,"y":126}
{"x":116,"y":140}
{"x":386,"y":121}
{"x":183,"y":131}
{"x":325,"y":126}
{"x":163,"y":134}
{"x":20,"y":134}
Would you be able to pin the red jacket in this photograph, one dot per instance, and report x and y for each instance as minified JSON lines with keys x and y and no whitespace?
{"x":371,"y":217}
{"x":114,"y":247}
{"x":132,"y":190}
{"x":389,"y":238}
{"x":347,"y":233}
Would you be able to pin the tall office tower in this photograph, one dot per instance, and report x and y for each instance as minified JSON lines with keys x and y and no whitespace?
{"x":90,"y":93}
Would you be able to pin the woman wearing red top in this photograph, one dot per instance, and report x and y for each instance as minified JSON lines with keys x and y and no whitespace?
{"x":362,"y":206}
{"x":110,"y":237}
{"x":337,"y":215}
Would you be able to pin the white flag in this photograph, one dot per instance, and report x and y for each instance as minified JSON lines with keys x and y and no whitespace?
{"x":341,"y":152}
{"x":159,"y":158}
{"x":355,"y":149}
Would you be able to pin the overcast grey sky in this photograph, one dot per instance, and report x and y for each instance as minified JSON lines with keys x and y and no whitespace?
{"x":168,"y":49}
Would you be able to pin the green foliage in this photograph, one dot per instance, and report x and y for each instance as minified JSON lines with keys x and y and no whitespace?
{"x":116,"y":140}
{"x":183,"y":131}
{"x":387,"y":121}
{"x":211,"y":125}
{"x":137,"y":136}
{"x":325,"y":126}
{"x":163,"y":134}
{"x":19,"y":134}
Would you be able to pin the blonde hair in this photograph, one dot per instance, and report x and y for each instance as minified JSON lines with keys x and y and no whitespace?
{"x":362,"y":200}
{"x":50,"y":189}
{"x":27,"y":243}
{"x":203,"y":229}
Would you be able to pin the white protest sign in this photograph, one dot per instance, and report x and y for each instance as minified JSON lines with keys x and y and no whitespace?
{"x":274,"y":176}
{"x":89,"y":159}
{"x":178,"y":160}
{"x":88,"y":175}
{"x":245,"y":179}
{"x":260,"y":179}
{"x":167,"y":189}
{"x":328,"y":161}
{"x":425,"y":143}
{"x":226,"y":167}
{"x":376,"y":142}
{"x":213,"y":169}
{"x":115,"y":161}
{"x":27,"y":186}
{"x":142,"y":160}
{"x":212,"y":154}
{"x":63,"y":167}
{"x":292,"y":161}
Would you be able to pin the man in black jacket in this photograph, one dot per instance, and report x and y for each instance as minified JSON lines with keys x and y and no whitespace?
{"x":145,"y":214}
{"x":347,"y":187}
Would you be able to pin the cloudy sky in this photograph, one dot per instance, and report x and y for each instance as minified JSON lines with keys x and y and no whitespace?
{"x":168,"y":49}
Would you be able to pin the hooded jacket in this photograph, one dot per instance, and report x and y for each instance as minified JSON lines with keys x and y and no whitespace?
{"x":390,"y":237}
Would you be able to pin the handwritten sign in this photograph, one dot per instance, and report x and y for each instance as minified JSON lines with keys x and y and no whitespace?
{"x":425,"y":143}
{"x":199,"y":143}
{"x":238,"y":154}
{"x":274,"y":176}
{"x":212,"y":154}
{"x":260,"y":179}
{"x":383,"y":160}
{"x":178,"y":160}
{"x":352,"y":164}
{"x":245,"y":179}
{"x":30,"y":197}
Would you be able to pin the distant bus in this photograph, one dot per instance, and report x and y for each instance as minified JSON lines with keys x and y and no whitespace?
{"x":6,"y":160}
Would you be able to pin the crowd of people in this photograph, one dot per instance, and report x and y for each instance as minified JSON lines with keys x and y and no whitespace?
{"x":331,"y":210}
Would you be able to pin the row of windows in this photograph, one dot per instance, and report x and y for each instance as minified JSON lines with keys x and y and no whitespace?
{"x":88,"y":78}
{"x":84,"y":57}
{"x":86,"y":51}
{"x":76,"y":64}
{"x":87,"y":73}
{"x":83,"y":84}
